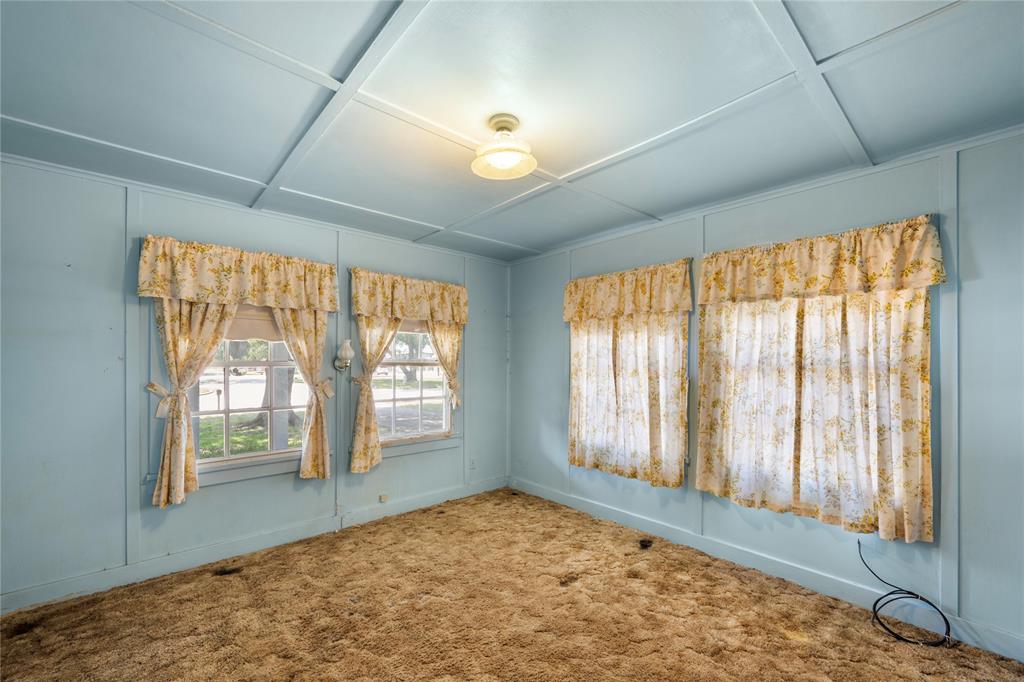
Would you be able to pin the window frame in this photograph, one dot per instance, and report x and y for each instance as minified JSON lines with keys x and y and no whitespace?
{"x":447,"y":412}
{"x":228,"y":460}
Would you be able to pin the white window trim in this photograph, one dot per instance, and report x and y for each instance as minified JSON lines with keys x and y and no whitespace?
{"x":448,"y":416}
{"x":228,"y":461}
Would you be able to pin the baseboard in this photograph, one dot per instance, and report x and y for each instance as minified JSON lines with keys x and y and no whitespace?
{"x":977,"y":634}
{"x":157,"y":566}
{"x":407,"y":504}
{"x":101,"y":581}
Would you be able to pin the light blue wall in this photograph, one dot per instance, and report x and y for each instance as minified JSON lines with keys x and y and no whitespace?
{"x":79,"y":344}
{"x":975,"y":567}
{"x":80,"y":444}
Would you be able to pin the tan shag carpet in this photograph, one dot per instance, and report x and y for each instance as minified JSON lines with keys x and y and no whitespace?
{"x":501,"y":586}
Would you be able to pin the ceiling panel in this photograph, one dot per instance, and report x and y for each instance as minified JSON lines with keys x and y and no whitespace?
{"x":371,"y":159}
{"x":53,"y":146}
{"x":284,"y":201}
{"x":962,"y":75}
{"x":586,"y":79}
{"x":118,"y":73}
{"x":550,"y":218}
{"x":831,"y":27}
{"x":451,"y":239}
{"x":775,"y":140}
{"x":329,"y":36}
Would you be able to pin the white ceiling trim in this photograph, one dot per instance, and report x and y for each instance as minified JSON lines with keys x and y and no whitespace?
{"x":131,"y":150}
{"x":885,"y":40}
{"x":394,"y":27}
{"x":469,"y":143}
{"x":508,"y":245}
{"x":222,"y":34}
{"x":781,"y":25}
{"x":392,"y":216}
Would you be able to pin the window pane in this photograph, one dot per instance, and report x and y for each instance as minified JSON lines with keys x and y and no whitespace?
{"x":427,"y":351}
{"x":289,"y":387}
{"x":249,"y":433}
{"x":279,"y":351}
{"x":383,"y":382}
{"x":384,"y":420}
{"x":288,"y":429}
{"x":253,"y":349}
{"x":406,"y":346}
{"x":433,"y":381}
{"x":210,"y":391}
{"x":248,"y":387}
{"x":407,"y":418}
{"x":433,"y":415}
{"x":211,"y":436}
{"x":407,"y":381}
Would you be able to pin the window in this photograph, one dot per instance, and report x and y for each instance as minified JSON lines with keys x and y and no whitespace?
{"x":410,"y":391}
{"x":250,"y":401}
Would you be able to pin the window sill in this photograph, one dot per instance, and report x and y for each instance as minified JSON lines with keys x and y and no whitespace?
{"x":412,"y":446}
{"x":231,"y":470}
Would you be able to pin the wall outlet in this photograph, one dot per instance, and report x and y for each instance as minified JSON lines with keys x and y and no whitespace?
{"x":472,"y":463}
{"x":382,"y":498}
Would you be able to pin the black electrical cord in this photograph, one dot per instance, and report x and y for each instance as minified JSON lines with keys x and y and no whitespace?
{"x":894,"y":595}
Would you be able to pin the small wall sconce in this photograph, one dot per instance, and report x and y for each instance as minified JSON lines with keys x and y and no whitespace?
{"x":345,"y":354}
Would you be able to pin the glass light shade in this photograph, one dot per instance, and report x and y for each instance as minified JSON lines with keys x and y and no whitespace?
{"x":504,"y":158}
{"x":346,"y":352}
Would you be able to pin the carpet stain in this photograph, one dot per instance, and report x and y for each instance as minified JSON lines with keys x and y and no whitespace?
{"x":502,"y":586}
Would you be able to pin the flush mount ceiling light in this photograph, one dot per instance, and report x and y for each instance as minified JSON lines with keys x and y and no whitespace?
{"x":505,"y":157}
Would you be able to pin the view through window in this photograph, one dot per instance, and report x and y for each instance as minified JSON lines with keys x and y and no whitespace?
{"x":410,"y":392}
{"x":251,"y":400}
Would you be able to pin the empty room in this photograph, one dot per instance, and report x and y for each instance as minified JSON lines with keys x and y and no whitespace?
{"x":512,"y":340}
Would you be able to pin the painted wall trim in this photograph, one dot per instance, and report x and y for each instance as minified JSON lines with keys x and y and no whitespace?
{"x":775,"y":193}
{"x":977,"y":634}
{"x":363,"y":515}
{"x":101,"y":581}
{"x":134,"y":185}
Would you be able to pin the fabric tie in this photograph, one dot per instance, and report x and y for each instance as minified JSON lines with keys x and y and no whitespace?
{"x":324,"y":389}
{"x":453,"y":386}
{"x":364,"y":381}
{"x":164,"y":406}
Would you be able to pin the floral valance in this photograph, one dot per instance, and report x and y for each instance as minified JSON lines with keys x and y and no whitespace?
{"x":898,"y":255}
{"x":378,"y":294}
{"x":653,"y":289}
{"x":207,"y":273}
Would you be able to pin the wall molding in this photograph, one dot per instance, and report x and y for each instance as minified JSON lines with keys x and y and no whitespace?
{"x":356,"y":517}
{"x":703,"y":210}
{"x":134,"y":185}
{"x":971,"y":632}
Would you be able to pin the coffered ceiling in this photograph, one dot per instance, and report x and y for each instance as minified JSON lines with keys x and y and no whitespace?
{"x":366,"y":114}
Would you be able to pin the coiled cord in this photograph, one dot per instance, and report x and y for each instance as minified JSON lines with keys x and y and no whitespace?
{"x":896,"y":594}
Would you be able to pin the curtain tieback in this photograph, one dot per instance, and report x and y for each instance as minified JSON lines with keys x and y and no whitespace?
{"x":325,"y":389}
{"x":166,"y":396}
{"x":453,"y":386}
{"x":364,"y":381}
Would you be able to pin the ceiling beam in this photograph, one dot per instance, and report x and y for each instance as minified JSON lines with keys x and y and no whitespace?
{"x":887,"y":39}
{"x":788,"y":36}
{"x":222,"y":34}
{"x":396,"y":25}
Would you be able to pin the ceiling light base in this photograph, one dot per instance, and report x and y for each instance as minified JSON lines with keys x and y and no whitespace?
{"x":503,"y":122}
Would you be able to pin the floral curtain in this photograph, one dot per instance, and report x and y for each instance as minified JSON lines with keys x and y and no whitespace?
{"x":447,"y":340}
{"x":380,"y":303}
{"x":815,"y":377}
{"x":305,"y":334}
{"x":200,"y":287}
{"x":375,"y":335}
{"x":628,"y":379}
{"x":207,"y":273}
{"x":189,"y":334}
